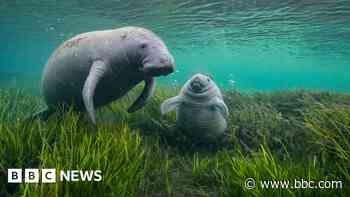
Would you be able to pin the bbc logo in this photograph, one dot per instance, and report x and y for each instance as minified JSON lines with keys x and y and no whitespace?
{"x":31,"y":175}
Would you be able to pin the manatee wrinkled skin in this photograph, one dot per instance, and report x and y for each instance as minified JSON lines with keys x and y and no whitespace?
{"x":200,"y":108}
{"x":95,"y":68}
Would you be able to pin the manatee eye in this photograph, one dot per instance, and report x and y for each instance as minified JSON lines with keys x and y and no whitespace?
{"x":208,"y":79}
{"x":143,"y":45}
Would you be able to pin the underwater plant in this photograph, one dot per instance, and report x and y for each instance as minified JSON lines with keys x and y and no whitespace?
{"x":290,"y":135}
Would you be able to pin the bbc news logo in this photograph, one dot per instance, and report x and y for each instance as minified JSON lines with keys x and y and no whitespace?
{"x":31,"y":175}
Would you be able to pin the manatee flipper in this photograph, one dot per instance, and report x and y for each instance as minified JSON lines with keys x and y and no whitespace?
{"x":219,"y":103}
{"x":170,"y":104}
{"x":97,"y":71}
{"x":150,"y":84}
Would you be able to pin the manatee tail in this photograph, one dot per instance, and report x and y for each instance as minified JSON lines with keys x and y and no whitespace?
{"x":42,"y":115}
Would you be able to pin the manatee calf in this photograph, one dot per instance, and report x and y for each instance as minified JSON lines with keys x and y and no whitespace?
{"x":199,"y":107}
{"x":95,"y":68}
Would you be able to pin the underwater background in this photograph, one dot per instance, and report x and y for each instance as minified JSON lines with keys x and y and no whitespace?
{"x":283,"y":66}
{"x":255,"y":45}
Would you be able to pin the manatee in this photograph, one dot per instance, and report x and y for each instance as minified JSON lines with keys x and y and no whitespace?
{"x":200,"y":108}
{"x":95,"y":68}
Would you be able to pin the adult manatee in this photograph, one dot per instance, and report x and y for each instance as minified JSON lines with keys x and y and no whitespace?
{"x":95,"y":68}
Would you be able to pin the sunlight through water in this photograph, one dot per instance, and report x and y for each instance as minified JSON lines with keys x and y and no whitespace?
{"x":254,"y":45}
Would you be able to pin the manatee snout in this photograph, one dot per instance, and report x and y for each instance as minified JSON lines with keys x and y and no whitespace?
{"x":199,"y":83}
{"x":153,"y":70}
{"x":158,"y":64}
{"x":168,"y":65}
{"x":197,"y":86}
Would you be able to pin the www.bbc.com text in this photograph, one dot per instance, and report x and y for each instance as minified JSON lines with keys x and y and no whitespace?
{"x":250,"y":183}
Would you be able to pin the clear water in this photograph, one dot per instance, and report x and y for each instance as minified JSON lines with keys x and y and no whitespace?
{"x":251,"y":45}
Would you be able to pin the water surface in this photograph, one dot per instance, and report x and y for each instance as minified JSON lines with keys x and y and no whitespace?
{"x":253,"y":45}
